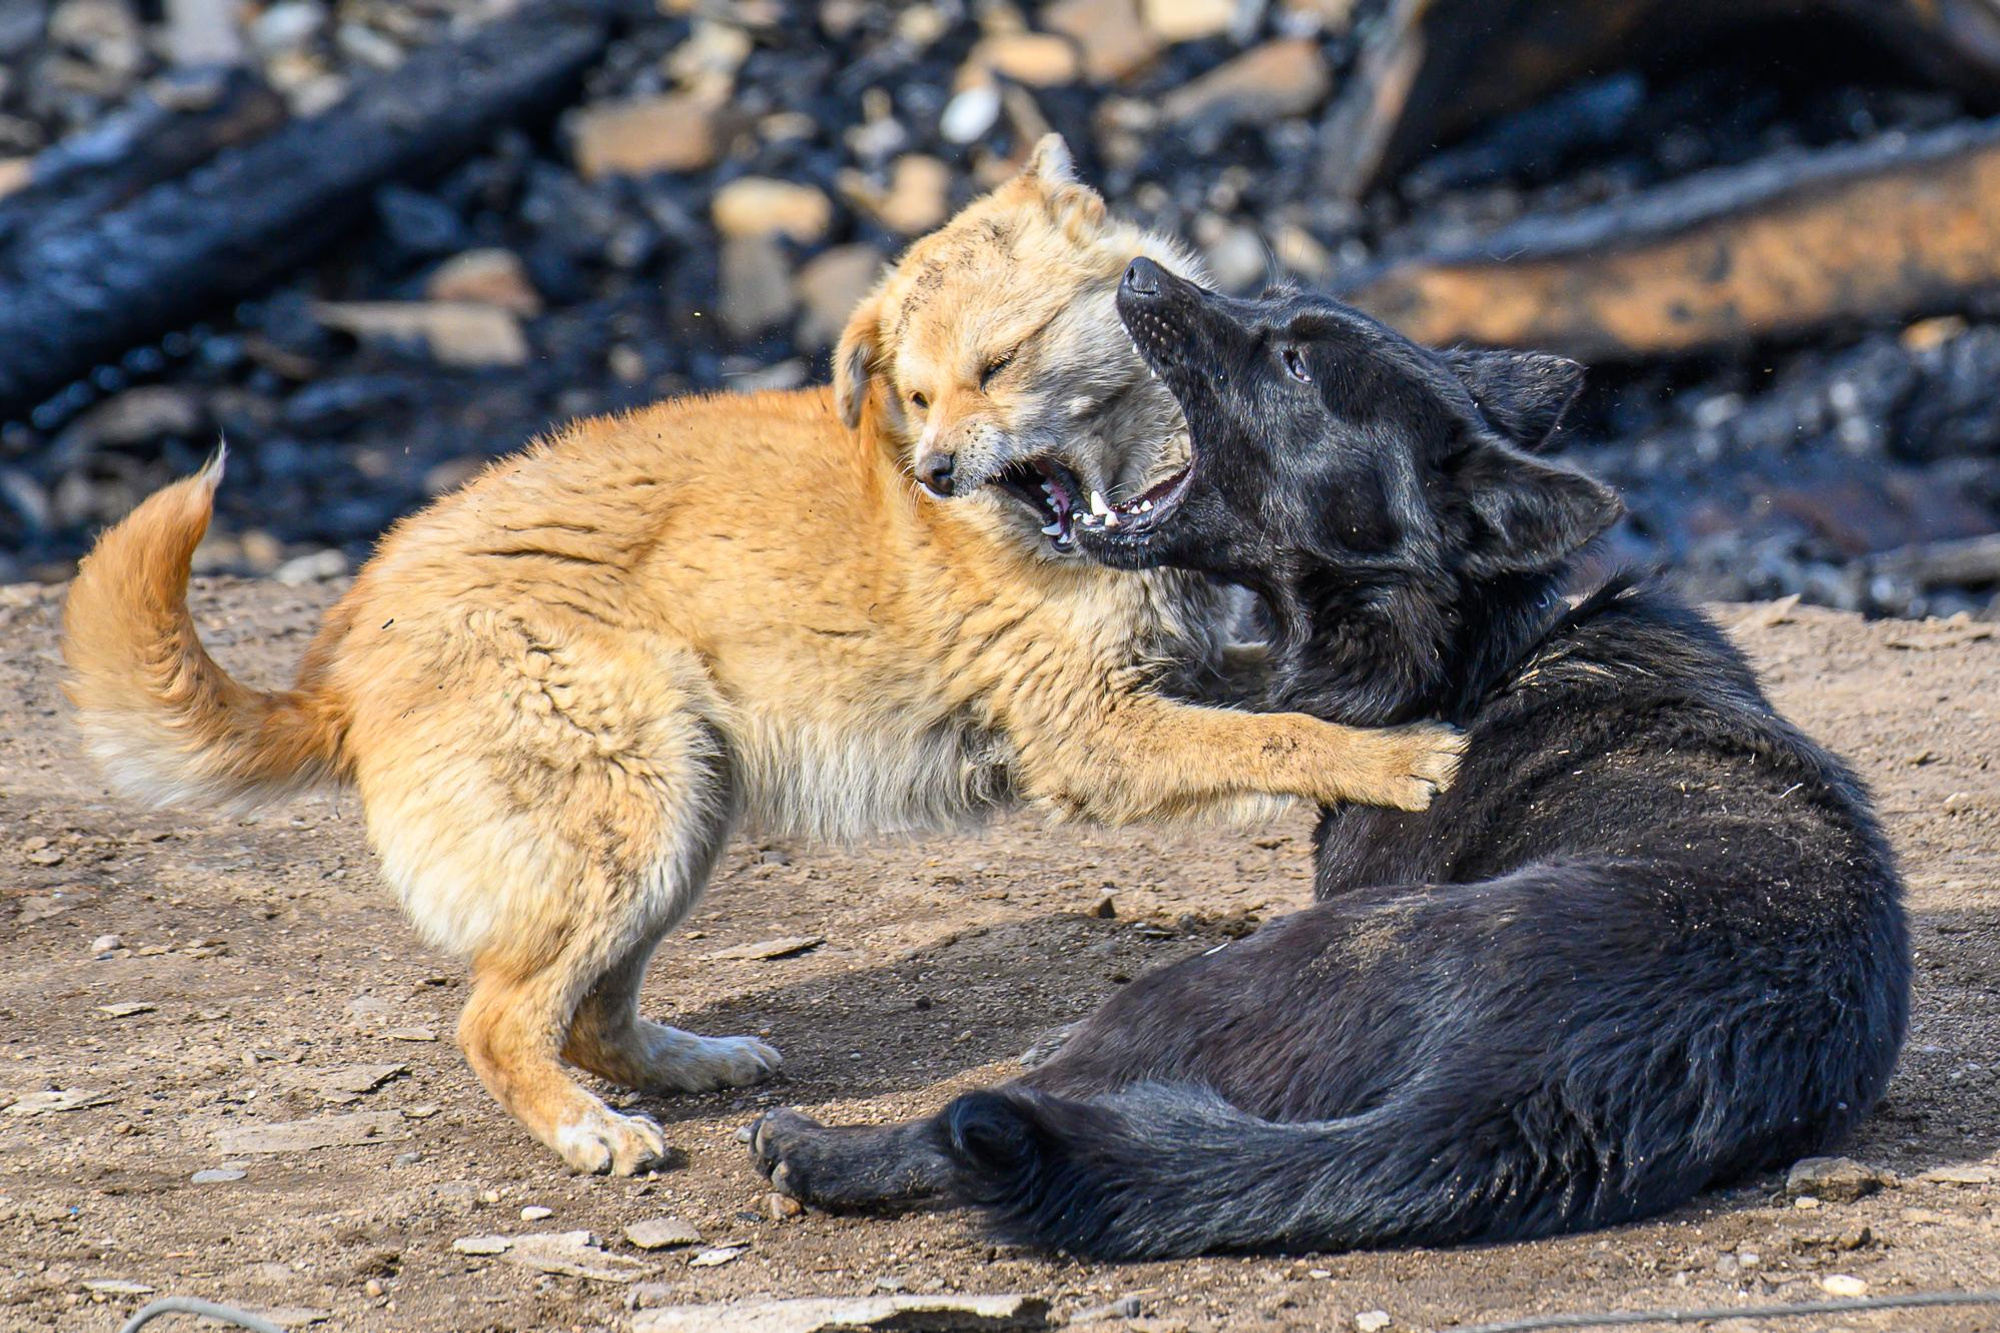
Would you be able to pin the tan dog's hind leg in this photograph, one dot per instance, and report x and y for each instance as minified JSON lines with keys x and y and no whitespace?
{"x":611,"y":1040}
{"x":555,"y":833}
{"x":1146,"y":757}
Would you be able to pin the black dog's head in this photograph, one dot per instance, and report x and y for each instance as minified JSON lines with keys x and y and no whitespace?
{"x":1327,"y":443}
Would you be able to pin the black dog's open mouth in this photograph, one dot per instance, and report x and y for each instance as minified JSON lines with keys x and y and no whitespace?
{"x":1052,"y":493}
{"x":1145,"y":511}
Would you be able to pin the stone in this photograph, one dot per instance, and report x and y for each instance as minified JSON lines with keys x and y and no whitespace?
{"x":1284,"y":78}
{"x":1187,"y":20}
{"x":535,"y":1212}
{"x":761,"y":206}
{"x":68,"y":1099}
{"x":1843,"y":1284}
{"x":571,"y":1254}
{"x":676,"y":132}
{"x":1125,"y":1307}
{"x":104,"y":944}
{"x":662,"y":1233}
{"x":482,"y":1245}
{"x":782,"y":1207}
{"x":220,"y":1175}
{"x":970,"y":114}
{"x":1237,"y":259}
{"x":107,"y":32}
{"x":706,"y":63}
{"x":919,"y":195}
{"x":850,"y":1314}
{"x":1960,"y":1175}
{"x":1834,"y":1179}
{"x":287,"y":27}
{"x":1300,"y":252}
{"x":493,"y":276}
{"x":718,"y":1256}
{"x":316,"y":567}
{"x":126,"y":1008}
{"x":1104,"y":909}
{"x":368,"y":46}
{"x":1039,"y":59}
{"x":204,"y":35}
{"x":1372,"y":1321}
{"x":352,"y":1081}
{"x":116,"y":1286}
{"x":359,"y":1129}
{"x":410,"y":1034}
{"x":829,"y":288}
{"x":135,"y":416}
{"x":455,"y":333}
{"x":755,"y":279}
{"x":765,"y":950}
{"x":1115,"y":44}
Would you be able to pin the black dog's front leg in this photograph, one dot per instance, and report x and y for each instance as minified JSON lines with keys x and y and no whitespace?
{"x":853,"y":1168}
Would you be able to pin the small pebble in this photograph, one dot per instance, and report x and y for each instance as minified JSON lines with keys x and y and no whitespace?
{"x":1840,"y":1284}
{"x":1372,"y":1321}
{"x":535,"y":1212}
{"x":218,"y":1176}
{"x":104,"y":944}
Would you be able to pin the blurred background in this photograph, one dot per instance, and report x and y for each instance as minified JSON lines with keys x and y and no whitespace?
{"x":375,"y":242}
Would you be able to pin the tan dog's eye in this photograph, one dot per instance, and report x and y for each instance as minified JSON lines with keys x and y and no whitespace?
{"x":994,"y":367}
{"x":919,"y":402}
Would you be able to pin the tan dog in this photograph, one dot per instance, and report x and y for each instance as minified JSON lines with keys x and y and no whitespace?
{"x":560,"y":688}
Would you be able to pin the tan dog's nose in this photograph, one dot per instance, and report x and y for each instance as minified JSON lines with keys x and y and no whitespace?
{"x":934,"y":471}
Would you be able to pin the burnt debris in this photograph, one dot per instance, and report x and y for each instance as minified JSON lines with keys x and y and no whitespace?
{"x":1769,"y":226}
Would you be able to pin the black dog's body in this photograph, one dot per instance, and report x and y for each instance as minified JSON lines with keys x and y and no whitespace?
{"x":1651,"y":939}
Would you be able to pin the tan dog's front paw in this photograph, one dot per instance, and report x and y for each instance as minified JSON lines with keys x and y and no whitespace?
{"x":1408,"y":767}
{"x":602,"y":1142}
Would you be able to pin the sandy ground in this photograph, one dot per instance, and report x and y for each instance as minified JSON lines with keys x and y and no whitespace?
{"x":263,"y":970}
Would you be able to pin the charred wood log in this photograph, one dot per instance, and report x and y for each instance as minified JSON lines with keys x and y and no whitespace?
{"x":162,"y":136}
{"x":1972,"y":562}
{"x":1433,"y":69}
{"x":70,"y":299}
{"x":1894,"y":227}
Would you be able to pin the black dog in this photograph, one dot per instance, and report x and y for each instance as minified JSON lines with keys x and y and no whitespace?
{"x":1651,"y":940}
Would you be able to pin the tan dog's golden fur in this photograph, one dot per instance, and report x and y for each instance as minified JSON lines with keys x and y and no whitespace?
{"x":558,"y":689}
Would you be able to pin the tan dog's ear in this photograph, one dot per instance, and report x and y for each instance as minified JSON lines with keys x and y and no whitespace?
{"x":1051,"y":163}
{"x":1078,"y":209}
{"x":858,"y":359}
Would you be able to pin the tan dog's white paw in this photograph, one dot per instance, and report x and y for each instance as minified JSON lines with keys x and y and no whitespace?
{"x":604,"y":1142}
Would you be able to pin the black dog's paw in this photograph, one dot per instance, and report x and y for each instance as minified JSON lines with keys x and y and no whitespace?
{"x":778,"y":1146}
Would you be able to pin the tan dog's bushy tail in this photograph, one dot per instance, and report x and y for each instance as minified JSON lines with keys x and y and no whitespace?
{"x":166,"y":723}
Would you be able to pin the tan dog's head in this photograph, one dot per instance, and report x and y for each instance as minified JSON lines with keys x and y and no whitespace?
{"x":997,"y":362}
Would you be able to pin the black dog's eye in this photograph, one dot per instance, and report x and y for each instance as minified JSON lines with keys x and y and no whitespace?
{"x":1295,"y":363}
{"x":919,"y":402}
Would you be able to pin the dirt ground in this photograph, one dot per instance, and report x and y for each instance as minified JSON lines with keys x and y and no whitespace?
{"x":262,"y":971}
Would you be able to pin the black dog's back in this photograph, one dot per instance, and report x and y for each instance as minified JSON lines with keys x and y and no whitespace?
{"x":1650,"y":940}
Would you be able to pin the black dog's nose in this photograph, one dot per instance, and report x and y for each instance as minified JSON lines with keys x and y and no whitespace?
{"x":936,"y":472}
{"x":1142,"y":278}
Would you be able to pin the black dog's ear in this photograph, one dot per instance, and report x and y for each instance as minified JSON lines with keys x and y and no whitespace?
{"x":1529,"y":514}
{"x":1524,"y":394}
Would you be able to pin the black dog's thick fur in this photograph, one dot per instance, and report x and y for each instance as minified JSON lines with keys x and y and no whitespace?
{"x":1649,"y":941}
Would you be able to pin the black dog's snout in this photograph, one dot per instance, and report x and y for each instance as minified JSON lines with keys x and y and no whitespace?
{"x":1142,"y":278}
{"x":936,"y":471}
